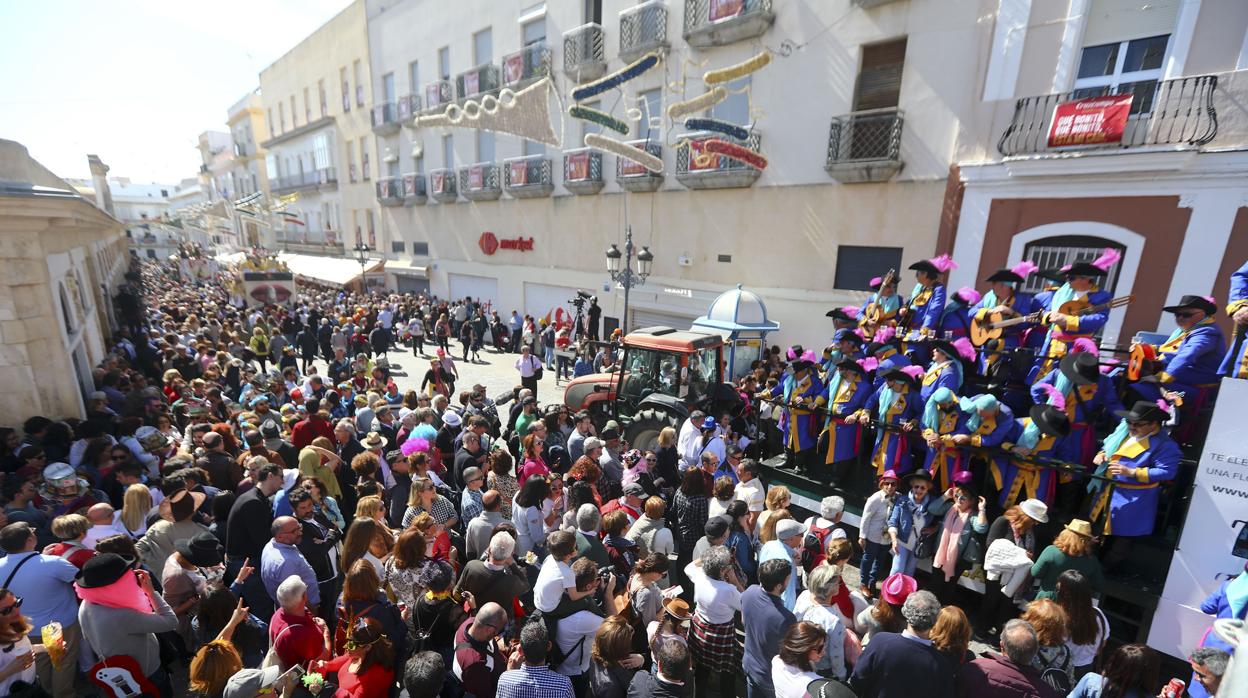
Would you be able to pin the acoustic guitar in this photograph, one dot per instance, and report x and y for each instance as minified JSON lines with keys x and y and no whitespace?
{"x":873,"y":314}
{"x":993,"y":324}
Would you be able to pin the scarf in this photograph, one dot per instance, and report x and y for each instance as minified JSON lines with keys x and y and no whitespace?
{"x":888,"y":396}
{"x":1176,"y":337}
{"x":1030,"y":436}
{"x":973,"y":405}
{"x":845,"y":602}
{"x":947,"y":551}
{"x":1110,"y":446}
{"x":888,"y":306}
{"x":123,"y":593}
{"x":931,"y":411}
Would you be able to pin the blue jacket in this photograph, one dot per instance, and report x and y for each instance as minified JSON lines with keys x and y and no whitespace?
{"x":1198,"y":357}
{"x":1235,"y":363}
{"x":904,"y":510}
{"x":928,"y":315}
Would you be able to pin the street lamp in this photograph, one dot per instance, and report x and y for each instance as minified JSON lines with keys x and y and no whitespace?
{"x":620,"y":267}
{"x":361,"y":256}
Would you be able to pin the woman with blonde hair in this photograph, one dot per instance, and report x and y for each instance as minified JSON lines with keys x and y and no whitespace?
{"x":613,"y":664}
{"x":437,"y":541}
{"x":951,"y":636}
{"x":1073,"y":549}
{"x":778,"y":497}
{"x":768,"y":531}
{"x":136,"y":505}
{"x":664,"y":470}
{"x":1051,"y":625}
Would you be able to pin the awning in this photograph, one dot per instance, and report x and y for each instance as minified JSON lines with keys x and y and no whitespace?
{"x":406,"y":268}
{"x":334,"y":271}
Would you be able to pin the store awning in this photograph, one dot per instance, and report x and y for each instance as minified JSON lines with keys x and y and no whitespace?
{"x":406,"y":268}
{"x":334,"y":271}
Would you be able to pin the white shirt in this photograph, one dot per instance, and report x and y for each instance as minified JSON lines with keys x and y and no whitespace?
{"x":688,"y":445}
{"x":527,"y":367}
{"x":790,"y":682}
{"x":553,"y":578}
{"x":99,"y":531}
{"x":716,"y":600}
{"x":1083,"y":655}
{"x":752,"y":494}
{"x":577,"y":628}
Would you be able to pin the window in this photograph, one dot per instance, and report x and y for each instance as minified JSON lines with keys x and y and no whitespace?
{"x":281,"y":116}
{"x":364,"y":157}
{"x":444,"y":63}
{"x":294,"y":113}
{"x":856,"y":265}
{"x":359,"y":83}
{"x":1058,"y":251}
{"x":351,"y":161}
{"x":270,"y":166}
{"x":1123,"y":67}
{"x":420,"y":249}
{"x":593,"y":11}
{"x":736,"y":108}
{"x":879,"y":78}
{"x":346,"y":89}
{"x":387,"y":87}
{"x":534,"y":148}
{"x":651,"y":114}
{"x":448,"y":151}
{"x":413,"y":78}
{"x":482,"y":47}
{"x":372,"y":232}
{"x":398,"y":246}
{"x":355,"y":223}
{"x":271,"y":122}
{"x":392,"y":169}
{"x":320,"y":90}
{"x":534,"y":32}
{"x":485,"y":146}
{"x":307,"y":106}
{"x":320,"y":152}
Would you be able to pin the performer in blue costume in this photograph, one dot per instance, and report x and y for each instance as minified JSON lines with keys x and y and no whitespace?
{"x":946,"y":369}
{"x":1088,"y":395}
{"x":988,"y":424}
{"x":1005,"y":298}
{"x":955,"y":322}
{"x":942,"y":418}
{"x":926,"y":304}
{"x":887,"y":356}
{"x":845,"y":343}
{"x":805,"y":406}
{"x":1192,"y":354}
{"x":886,"y":300}
{"x":895,"y":402}
{"x":1042,"y":433}
{"x":1080,"y":292}
{"x":1229,"y":601}
{"x":843,"y":317}
{"x":848,"y":390}
{"x":1235,"y":363}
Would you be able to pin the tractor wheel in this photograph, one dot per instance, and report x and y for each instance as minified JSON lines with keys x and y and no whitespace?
{"x":643,"y":432}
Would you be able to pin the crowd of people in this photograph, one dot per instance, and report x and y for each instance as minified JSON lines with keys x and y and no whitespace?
{"x":229,"y":521}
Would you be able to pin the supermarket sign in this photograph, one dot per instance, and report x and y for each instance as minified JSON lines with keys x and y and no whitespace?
{"x":1090,"y":121}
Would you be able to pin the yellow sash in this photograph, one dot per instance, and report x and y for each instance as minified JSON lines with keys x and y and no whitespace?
{"x":1126,"y":450}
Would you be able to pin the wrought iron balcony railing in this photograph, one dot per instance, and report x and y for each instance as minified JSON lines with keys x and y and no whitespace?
{"x":385,"y":118}
{"x":865,"y":146}
{"x":328,"y":177}
{"x":527,"y":65}
{"x":584,"y":52}
{"x":528,"y":177}
{"x":438,"y":94}
{"x":1176,"y":112}
{"x":632,"y":176}
{"x":697,"y":169}
{"x":582,"y":171}
{"x":310,"y":179}
{"x":408,"y":107}
{"x":479,"y":182}
{"x":390,"y":191}
{"x":717,"y":23}
{"x":414,"y":192}
{"x":483,"y":79}
{"x":643,"y":28}
{"x":443,"y":186}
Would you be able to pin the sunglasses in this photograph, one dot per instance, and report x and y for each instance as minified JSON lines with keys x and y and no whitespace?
{"x":1185,"y":314}
{"x":17,"y":601}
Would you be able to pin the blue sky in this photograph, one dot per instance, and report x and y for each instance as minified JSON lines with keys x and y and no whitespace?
{"x":136,"y":81}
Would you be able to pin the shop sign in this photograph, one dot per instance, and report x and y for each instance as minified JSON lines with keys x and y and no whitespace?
{"x":489,"y":243}
{"x":1090,"y":121}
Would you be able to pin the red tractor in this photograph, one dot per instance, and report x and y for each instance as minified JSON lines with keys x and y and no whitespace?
{"x":663,"y":376}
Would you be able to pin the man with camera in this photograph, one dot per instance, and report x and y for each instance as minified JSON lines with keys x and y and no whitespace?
{"x":574,"y":634}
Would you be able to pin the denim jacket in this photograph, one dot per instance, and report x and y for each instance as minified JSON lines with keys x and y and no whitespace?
{"x":902,"y":518}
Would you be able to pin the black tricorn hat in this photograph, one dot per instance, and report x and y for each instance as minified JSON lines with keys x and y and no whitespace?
{"x":1005,"y":276}
{"x":838,"y":314}
{"x":925,"y":265}
{"x":1050,"y":420}
{"x":1082,"y":368}
{"x":896,"y":374}
{"x":851,"y":364}
{"x":1193,"y":303}
{"x":1084,"y":269}
{"x":1143,"y":411}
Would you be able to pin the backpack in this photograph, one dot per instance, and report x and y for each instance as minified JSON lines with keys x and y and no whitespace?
{"x":1055,"y":673}
{"x":813,"y":550}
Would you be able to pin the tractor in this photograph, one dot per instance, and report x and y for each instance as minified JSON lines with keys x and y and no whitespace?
{"x":663,"y":376}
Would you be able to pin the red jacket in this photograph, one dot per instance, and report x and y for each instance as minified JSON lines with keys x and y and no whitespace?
{"x":995,"y":676}
{"x":303,"y":433}
{"x":77,"y":558}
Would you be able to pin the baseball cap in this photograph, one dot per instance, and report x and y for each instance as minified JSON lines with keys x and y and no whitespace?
{"x":249,"y":682}
{"x":635,"y":490}
{"x":716,"y":526}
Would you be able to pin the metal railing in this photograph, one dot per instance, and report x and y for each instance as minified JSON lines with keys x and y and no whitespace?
{"x":582,"y":165}
{"x":480,"y":80}
{"x":687,"y":164}
{"x":390,"y":190}
{"x":303,"y":236}
{"x":414,"y":190}
{"x":438,"y":94}
{"x":584,"y":52}
{"x":625,"y":168}
{"x":527,"y":171}
{"x":482,"y":176}
{"x":442,"y":184}
{"x":385,"y":114}
{"x":1176,"y":112}
{"x":702,"y":14}
{"x":301,"y":180}
{"x":408,"y":106}
{"x":643,"y":28}
{"x":529,"y":63}
{"x":327,"y":175}
{"x":874,"y":134}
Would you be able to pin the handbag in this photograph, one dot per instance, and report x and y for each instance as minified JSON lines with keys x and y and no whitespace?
{"x":926,"y":547}
{"x":973,"y":554}
{"x":537,"y":372}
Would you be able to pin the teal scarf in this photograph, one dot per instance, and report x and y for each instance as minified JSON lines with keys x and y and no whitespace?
{"x":972,"y":406}
{"x":931,"y":411}
{"x":1030,"y":436}
{"x":1108,"y":447}
{"x":889,"y":305}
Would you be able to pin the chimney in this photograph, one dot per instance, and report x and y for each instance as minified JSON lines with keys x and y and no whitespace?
{"x":99,"y":180}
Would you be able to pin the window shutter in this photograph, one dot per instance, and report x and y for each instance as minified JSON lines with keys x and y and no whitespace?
{"x":879,"y":79}
{"x":1114,"y":21}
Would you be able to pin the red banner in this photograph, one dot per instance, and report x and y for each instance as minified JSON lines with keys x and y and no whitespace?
{"x":476,"y":177}
{"x":519,"y":173}
{"x":1090,"y":121}
{"x":578,"y":166}
{"x":513,"y":68}
{"x":723,"y":9}
{"x":472,"y":83}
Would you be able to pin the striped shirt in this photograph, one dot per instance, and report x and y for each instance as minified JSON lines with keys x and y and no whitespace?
{"x":533,"y":682}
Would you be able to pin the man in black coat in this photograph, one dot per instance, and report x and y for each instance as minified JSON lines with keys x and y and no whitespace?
{"x":307,"y":342}
{"x":316,"y":545}
{"x":247,"y":532}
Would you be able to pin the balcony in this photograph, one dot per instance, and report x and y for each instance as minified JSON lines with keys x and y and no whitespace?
{"x":582,"y":171}
{"x":865,"y":146}
{"x":414,"y":193}
{"x":709,"y":23}
{"x":442,"y":186}
{"x":698,"y":170}
{"x":328,"y":178}
{"x":528,"y":177}
{"x":526,"y":66}
{"x":481,"y":80}
{"x":300,"y":239}
{"x":643,"y":29}
{"x":634,"y":177}
{"x":585,"y":53}
{"x":1171,"y":113}
{"x":386,"y":119}
{"x":390,"y":191}
{"x":479,"y":182}
{"x":438,"y":94}
{"x":408,"y":107}
{"x":312,"y":179}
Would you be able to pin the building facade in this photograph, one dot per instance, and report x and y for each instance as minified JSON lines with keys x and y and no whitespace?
{"x":858,"y":128}
{"x":248,"y":175}
{"x":143,"y":209}
{"x":63,"y":259}
{"x":317,"y":138}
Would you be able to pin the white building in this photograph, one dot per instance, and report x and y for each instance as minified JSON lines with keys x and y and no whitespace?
{"x":141,"y":208}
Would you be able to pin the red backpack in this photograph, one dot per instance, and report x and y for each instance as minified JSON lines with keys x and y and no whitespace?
{"x":813,"y":550}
